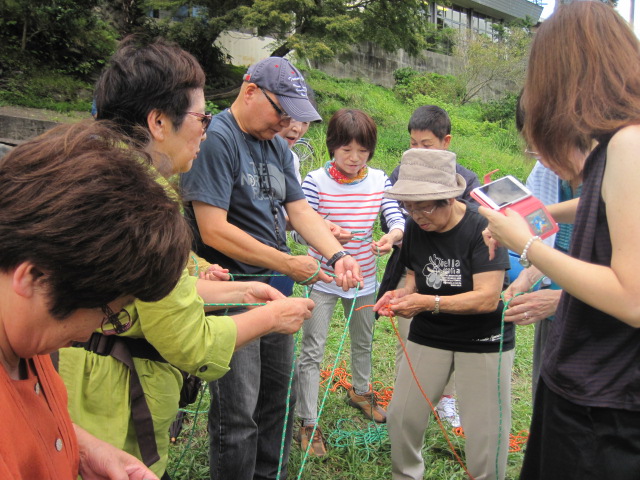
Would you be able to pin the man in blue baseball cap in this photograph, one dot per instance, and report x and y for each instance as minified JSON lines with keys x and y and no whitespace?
{"x":285,"y":81}
{"x":234,"y":194}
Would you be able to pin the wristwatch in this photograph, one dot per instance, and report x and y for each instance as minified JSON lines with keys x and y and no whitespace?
{"x":436,"y":305}
{"x":524,"y":261}
{"x":336,"y":256}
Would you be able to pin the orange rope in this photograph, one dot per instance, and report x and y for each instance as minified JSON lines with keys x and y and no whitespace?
{"x":341,"y":379}
{"x":384,"y":396}
{"x":435,"y":414}
{"x":515,"y":441}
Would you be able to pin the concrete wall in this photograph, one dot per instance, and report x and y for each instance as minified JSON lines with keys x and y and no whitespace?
{"x":16,"y":129}
{"x":370,"y":62}
{"x":245,"y":48}
{"x":367,"y":61}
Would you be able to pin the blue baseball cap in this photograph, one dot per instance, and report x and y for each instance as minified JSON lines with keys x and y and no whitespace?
{"x":285,"y":81}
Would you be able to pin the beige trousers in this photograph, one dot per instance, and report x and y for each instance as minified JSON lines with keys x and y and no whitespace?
{"x":480,"y":410}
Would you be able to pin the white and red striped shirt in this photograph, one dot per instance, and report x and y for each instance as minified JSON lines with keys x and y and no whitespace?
{"x":354,"y":207}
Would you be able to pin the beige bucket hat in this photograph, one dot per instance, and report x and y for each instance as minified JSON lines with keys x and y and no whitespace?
{"x":427,"y":175}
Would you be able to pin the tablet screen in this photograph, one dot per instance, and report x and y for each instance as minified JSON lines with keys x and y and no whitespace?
{"x":504,"y":191}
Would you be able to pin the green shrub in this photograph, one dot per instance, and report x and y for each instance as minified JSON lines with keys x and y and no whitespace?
{"x":404,"y":75}
{"x":501,"y":111}
{"x":445,"y":88}
{"x":50,"y":90}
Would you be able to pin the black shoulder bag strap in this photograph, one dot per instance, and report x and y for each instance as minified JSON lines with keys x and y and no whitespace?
{"x":142,"y":420}
{"x":118,"y":348}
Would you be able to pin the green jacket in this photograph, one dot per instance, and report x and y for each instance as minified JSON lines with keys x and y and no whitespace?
{"x":176,"y":326}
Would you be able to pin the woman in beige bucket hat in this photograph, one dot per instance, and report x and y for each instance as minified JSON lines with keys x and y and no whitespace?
{"x":453,"y":293}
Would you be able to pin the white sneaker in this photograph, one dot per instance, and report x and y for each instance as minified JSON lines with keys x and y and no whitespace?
{"x":447,"y":410}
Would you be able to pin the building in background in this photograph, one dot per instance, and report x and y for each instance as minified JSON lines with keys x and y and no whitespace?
{"x":481,"y":16}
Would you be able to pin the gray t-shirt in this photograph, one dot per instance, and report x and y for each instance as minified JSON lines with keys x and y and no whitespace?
{"x":230,"y":172}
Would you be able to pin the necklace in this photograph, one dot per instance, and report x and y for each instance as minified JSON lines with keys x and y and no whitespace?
{"x":264,"y":179}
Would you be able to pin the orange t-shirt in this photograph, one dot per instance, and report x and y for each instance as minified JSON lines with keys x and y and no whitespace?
{"x":37,"y":440}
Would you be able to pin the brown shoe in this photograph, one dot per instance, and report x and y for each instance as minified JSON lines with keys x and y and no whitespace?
{"x":368,"y":404}
{"x":318,"y":446}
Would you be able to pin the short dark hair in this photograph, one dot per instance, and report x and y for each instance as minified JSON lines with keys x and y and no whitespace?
{"x":432,"y":118}
{"x":347,"y":125}
{"x":85,"y":210}
{"x":141,"y":77}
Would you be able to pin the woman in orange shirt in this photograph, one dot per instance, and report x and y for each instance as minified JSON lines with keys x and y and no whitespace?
{"x":71,"y":254}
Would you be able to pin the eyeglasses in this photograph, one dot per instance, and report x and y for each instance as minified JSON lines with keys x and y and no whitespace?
{"x":419,"y":211}
{"x":532,"y":154}
{"x":114,"y":319}
{"x":205,"y":118}
{"x":283,"y":116}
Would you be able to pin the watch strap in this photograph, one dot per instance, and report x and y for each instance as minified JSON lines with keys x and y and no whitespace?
{"x":337,"y":256}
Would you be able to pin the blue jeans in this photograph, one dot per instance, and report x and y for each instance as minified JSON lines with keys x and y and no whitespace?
{"x":247,"y":412}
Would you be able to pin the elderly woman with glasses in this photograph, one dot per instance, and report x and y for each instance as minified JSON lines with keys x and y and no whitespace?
{"x":453,"y":292}
{"x":71,"y":253}
{"x":154,"y":93}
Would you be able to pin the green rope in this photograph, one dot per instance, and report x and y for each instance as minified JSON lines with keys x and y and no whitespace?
{"x":312,"y":276}
{"x":307,"y":292}
{"x":234,"y":304}
{"x":504,"y":309}
{"x":354,"y":435}
{"x":288,"y":406}
{"x":232,"y":275}
{"x":195,"y":261}
{"x":191,"y":433}
{"x":326,"y":391}
{"x":186,"y":410}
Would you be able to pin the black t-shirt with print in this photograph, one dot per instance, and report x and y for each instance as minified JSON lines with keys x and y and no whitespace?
{"x":444,"y":264}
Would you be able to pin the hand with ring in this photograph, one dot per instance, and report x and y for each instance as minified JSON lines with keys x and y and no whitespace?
{"x":532,"y":307}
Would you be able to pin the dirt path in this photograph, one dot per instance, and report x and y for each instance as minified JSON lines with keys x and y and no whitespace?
{"x":42,"y":114}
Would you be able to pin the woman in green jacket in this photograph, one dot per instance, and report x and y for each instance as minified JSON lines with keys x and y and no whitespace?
{"x":154,"y":93}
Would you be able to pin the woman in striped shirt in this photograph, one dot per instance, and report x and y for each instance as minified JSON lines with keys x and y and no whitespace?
{"x":347,"y":192}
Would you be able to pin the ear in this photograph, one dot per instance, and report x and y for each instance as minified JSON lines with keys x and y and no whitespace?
{"x":26,"y":278}
{"x":250,"y":91}
{"x":158,"y":122}
{"x":447,"y":141}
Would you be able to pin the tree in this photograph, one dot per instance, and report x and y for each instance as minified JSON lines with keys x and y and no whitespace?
{"x":55,"y":32}
{"x":322,"y":29}
{"x":482,"y":60}
{"x":317,"y":29}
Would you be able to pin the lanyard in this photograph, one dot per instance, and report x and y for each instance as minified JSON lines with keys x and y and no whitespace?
{"x":264,"y":178}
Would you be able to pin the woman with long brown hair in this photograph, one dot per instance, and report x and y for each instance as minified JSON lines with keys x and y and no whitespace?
{"x":583,"y":85}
